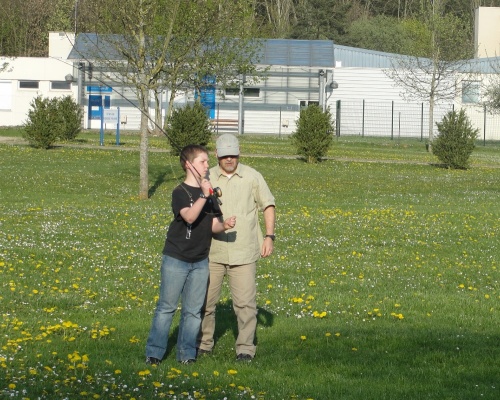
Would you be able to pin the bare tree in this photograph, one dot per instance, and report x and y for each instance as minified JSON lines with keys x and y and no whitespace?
{"x":436,"y":68}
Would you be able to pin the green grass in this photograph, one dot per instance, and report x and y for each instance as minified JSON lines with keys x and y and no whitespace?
{"x":384,"y":283}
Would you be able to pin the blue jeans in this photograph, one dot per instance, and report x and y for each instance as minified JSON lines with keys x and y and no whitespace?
{"x":178,"y":278}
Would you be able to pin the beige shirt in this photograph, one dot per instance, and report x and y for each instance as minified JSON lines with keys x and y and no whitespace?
{"x":244,"y":194}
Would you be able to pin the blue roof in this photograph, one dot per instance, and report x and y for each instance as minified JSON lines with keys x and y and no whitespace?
{"x":357,"y":57}
{"x":286,"y":52}
{"x":297,"y":53}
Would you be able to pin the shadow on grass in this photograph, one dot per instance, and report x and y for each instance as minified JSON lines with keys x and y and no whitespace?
{"x":160,"y":179}
{"x":225,"y":321}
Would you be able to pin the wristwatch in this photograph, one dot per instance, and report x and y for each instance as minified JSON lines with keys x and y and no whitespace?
{"x":271,"y":236}
{"x":202,"y":196}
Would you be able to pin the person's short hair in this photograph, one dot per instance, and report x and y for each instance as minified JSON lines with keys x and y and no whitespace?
{"x":190,"y":152}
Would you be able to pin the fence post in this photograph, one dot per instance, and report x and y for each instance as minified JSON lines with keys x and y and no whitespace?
{"x":337,"y":119}
{"x":363,"y":121}
{"x":422,"y":123}
{"x":484,"y":126}
{"x":392,"y":119}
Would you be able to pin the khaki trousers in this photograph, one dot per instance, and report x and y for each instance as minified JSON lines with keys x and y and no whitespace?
{"x":243,"y":293}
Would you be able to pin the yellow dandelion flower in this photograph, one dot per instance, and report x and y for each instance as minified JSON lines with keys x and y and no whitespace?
{"x":232,"y":371}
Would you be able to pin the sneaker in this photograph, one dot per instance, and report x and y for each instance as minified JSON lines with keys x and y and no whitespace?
{"x":153,"y":361}
{"x":189,"y":361}
{"x":244,"y":357}
{"x":202,"y":352}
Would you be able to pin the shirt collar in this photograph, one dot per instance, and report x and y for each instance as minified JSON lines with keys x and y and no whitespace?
{"x":220,"y":172}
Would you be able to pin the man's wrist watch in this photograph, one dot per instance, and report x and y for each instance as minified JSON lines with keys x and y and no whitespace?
{"x":271,"y":236}
{"x":202,"y":196}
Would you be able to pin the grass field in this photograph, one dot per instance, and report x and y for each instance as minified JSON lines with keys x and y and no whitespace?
{"x":384,"y":284}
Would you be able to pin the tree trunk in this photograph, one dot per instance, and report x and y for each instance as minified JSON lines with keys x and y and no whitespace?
{"x":143,"y":149}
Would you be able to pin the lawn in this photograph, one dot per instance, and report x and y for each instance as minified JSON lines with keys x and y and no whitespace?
{"x":384,"y":283}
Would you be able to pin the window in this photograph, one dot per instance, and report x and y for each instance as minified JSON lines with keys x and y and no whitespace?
{"x":60,"y":85}
{"x":247,"y":92}
{"x":470,"y":92}
{"x":28,"y":84}
{"x":306,"y":103}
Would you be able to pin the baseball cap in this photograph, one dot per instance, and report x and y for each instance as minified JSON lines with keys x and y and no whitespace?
{"x":227,"y":145}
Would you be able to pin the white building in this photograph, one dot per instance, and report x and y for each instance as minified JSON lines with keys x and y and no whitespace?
{"x":349,"y":81}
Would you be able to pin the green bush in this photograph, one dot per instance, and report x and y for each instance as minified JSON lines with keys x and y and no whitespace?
{"x":50,"y":120}
{"x":314,"y":134}
{"x":72,"y":115}
{"x":455,"y":141}
{"x":188,"y":125}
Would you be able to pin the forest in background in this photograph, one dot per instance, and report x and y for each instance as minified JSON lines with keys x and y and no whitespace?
{"x":396,"y":26}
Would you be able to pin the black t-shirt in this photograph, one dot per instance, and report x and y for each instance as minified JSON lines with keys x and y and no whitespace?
{"x":184,"y":242}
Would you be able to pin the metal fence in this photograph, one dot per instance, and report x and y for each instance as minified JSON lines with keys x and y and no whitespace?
{"x":405,"y":120}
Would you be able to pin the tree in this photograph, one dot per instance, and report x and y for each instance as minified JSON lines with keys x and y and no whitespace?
{"x":379,"y":33}
{"x":52,"y":119}
{"x":174,"y":44}
{"x":275,"y":17}
{"x":433,"y":70}
{"x":189,"y":125}
{"x":456,"y":140}
{"x":321,"y":19}
{"x":314,"y":134}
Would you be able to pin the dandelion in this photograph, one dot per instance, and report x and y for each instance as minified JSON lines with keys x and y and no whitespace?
{"x":232,"y":371}
{"x":216,"y":373}
{"x":133,"y":339}
{"x":303,"y":337}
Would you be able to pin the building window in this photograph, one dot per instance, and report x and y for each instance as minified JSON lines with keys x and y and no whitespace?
{"x":28,"y":84}
{"x":307,"y":103}
{"x":247,"y":92}
{"x":470,"y":92}
{"x":60,"y":85}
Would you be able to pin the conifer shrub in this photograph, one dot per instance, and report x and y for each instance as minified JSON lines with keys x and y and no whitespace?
{"x":188,"y":125}
{"x":52,"y":119}
{"x":314,"y":134}
{"x":72,"y":115}
{"x":455,"y":141}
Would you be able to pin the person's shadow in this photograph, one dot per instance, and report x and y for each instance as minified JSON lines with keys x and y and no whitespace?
{"x":225,"y":321}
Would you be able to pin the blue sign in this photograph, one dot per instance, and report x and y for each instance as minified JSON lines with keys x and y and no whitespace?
{"x":95,"y":105}
{"x":207,"y":95}
{"x":99,"y":89}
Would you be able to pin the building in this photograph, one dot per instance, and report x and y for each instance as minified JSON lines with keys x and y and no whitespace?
{"x":350,"y":82}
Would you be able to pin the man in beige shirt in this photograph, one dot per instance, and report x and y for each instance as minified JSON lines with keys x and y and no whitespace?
{"x":235,"y":252}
